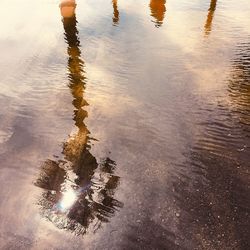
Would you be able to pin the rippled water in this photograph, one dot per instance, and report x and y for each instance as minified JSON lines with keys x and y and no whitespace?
{"x":126,"y":125}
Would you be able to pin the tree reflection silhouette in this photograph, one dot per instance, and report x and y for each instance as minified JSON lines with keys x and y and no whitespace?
{"x":210,"y":16}
{"x":116,"y":13}
{"x":78,"y":191}
{"x":158,"y":10}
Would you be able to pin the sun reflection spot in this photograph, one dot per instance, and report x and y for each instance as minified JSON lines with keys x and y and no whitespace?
{"x":68,"y":199}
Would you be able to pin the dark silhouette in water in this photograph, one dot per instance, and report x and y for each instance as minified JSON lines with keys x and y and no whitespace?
{"x":78,"y":191}
{"x":115,"y":13}
{"x":158,"y":10}
{"x":210,"y":16}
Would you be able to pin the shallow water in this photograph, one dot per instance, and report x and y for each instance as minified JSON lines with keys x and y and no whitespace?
{"x":125,"y":127}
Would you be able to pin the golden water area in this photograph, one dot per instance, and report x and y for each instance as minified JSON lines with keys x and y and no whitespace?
{"x":124,"y":124}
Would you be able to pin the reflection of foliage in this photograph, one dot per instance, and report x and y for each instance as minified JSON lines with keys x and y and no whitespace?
{"x":239,"y":84}
{"x":78,"y":192}
{"x":51,"y":176}
{"x":94,"y":200}
{"x":158,"y":10}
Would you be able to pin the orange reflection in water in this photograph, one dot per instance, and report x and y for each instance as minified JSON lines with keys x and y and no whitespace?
{"x":68,"y":8}
{"x":115,"y":12}
{"x":158,"y":10}
{"x":210,"y":16}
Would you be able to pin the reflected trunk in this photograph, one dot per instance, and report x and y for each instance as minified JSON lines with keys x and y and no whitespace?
{"x":158,"y":10}
{"x":78,"y":191}
{"x":116,"y":13}
{"x":210,"y":16}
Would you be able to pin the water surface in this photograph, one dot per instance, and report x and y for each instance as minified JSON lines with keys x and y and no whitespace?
{"x":126,"y":126}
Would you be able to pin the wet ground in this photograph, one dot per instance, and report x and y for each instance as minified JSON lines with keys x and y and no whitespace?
{"x":126,"y":126}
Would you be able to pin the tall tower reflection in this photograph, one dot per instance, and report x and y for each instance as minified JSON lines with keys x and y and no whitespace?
{"x":158,"y":10}
{"x":116,"y":13}
{"x":210,"y":16}
{"x":78,"y":191}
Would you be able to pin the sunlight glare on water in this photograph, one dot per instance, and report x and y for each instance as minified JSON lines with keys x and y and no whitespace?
{"x":68,"y":199}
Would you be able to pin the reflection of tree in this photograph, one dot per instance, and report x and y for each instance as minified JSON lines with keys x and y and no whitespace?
{"x":158,"y":10}
{"x":78,"y":192}
{"x":116,"y":12}
{"x":239,"y":84}
{"x":210,"y":16}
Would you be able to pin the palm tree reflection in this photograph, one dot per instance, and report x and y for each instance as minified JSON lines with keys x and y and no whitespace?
{"x":158,"y":10}
{"x":115,"y":13}
{"x":78,"y":191}
{"x":210,"y":16}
